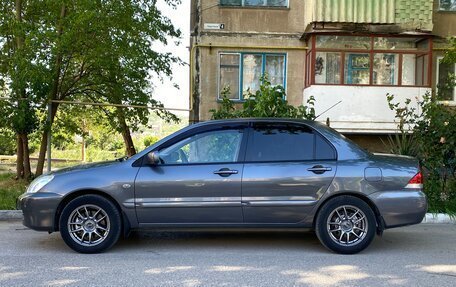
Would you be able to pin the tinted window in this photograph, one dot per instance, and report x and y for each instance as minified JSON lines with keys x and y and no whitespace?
{"x":280,"y":142}
{"x":323,"y":150}
{"x":208,"y":147}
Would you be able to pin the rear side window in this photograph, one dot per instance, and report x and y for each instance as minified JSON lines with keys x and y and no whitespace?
{"x":286,"y":142}
{"x":323,"y":150}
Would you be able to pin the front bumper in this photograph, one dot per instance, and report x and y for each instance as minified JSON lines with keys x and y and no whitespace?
{"x":39,"y":210}
{"x":400,"y":208}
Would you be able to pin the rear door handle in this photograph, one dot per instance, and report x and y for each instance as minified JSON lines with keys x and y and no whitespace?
{"x":319,"y":169}
{"x":225,"y":172}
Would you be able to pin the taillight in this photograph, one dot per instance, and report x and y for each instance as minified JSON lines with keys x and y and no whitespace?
{"x":416,"y":181}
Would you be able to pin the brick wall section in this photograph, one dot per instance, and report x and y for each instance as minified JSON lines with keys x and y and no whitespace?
{"x":414,"y":14}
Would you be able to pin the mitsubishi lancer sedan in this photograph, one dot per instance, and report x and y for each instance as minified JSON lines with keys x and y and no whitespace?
{"x":242,"y":173}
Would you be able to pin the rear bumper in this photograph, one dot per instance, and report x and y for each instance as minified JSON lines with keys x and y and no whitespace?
{"x":39,"y":210}
{"x":399,"y":208}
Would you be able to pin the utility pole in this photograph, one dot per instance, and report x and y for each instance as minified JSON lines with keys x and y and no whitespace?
{"x":49,"y":137}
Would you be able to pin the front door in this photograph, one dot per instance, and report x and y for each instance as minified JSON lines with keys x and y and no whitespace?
{"x":288,"y":167}
{"x":197,"y":182}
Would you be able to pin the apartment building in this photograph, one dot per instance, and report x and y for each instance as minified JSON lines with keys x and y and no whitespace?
{"x":347,"y":54}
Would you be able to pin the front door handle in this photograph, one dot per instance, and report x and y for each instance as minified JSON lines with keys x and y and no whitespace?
{"x":225,"y":172}
{"x":319,"y":169}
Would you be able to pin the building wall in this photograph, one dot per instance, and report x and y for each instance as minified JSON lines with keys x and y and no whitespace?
{"x":245,"y":29}
{"x":210,"y":67}
{"x":363,"y":113}
{"x":444,"y":22}
{"x":255,"y":19}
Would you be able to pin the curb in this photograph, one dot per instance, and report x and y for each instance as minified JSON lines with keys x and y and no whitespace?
{"x":440,"y":218}
{"x":10,"y":214}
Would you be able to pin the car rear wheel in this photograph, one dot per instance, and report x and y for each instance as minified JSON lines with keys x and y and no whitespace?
{"x":90,"y":224}
{"x":345,"y":224}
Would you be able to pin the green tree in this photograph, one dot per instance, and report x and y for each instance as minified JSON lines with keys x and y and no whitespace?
{"x":20,"y":80}
{"x":267,"y":101}
{"x":102,"y":51}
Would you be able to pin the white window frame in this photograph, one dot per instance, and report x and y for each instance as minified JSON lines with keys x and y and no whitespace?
{"x":219,"y":98}
{"x":240,"y":97}
{"x":450,"y":102}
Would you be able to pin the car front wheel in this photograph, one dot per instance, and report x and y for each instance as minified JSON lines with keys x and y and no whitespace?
{"x":90,"y":224}
{"x":345,"y":224}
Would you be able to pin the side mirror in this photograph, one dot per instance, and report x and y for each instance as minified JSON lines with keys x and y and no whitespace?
{"x":153,"y":158}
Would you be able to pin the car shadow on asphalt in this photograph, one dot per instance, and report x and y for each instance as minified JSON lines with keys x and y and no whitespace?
{"x":403,"y":239}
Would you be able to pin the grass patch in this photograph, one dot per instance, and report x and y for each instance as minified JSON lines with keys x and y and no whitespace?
{"x":10,"y":189}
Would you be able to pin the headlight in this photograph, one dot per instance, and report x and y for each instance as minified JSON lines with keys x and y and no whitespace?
{"x":39,"y":182}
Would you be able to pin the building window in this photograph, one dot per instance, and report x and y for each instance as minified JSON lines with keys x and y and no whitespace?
{"x":368,"y":60}
{"x":241,"y":73}
{"x":385,"y":70}
{"x":327,"y":68}
{"x":357,"y":68}
{"x":229,"y":74}
{"x":255,"y":3}
{"x":446,"y":80}
{"x":447,"y":5}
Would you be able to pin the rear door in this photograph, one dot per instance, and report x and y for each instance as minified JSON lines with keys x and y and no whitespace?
{"x":288,"y":167}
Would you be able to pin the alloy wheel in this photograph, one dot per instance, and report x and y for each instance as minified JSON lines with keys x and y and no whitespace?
{"x":88,"y":225}
{"x":347,"y":225}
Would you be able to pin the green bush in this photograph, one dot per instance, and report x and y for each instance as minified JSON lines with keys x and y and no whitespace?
{"x":441,"y":202}
{"x":150,"y":140}
{"x":269,"y":102}
{"x":7,"y":142}
{"x":432,"y":129}
{"x":95,"y":154}
{"x":10,"y":189}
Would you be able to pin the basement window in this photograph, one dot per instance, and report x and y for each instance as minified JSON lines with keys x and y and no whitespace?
{"x":241,"y":73}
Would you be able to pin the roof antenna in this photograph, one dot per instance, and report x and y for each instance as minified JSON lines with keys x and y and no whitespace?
{"x":328,"y":109}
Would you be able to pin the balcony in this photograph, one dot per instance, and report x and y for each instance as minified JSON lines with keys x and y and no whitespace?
{"x":410,"y":15}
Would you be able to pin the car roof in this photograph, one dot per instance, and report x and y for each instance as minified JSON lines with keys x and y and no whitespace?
{"x":244,"y":120}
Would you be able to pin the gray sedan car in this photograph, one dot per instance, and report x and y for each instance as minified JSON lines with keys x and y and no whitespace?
{"x":243,"y":173}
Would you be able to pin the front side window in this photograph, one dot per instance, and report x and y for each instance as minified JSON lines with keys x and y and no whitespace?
{"x":286,"y":142}
{"x":241,"y":73}
{"x":209,"y":147}
{"x":446,"y":80}
{"x":447,"y":5}
{"x":255,"y":3}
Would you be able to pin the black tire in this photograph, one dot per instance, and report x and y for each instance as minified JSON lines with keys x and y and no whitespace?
{"x":351,"y":227}
{"x":88,"y":204}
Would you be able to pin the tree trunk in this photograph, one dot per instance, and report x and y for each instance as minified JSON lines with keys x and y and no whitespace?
{"x":53,"y":96}
{"x":26,"y":156}
{"x":43,"y":145}
{"x":21,"y":94}
{"x":19,"y":157}
{"x":125,"y":130}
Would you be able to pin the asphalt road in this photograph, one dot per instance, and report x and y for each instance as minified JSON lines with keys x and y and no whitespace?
{"x":422,"y":255}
